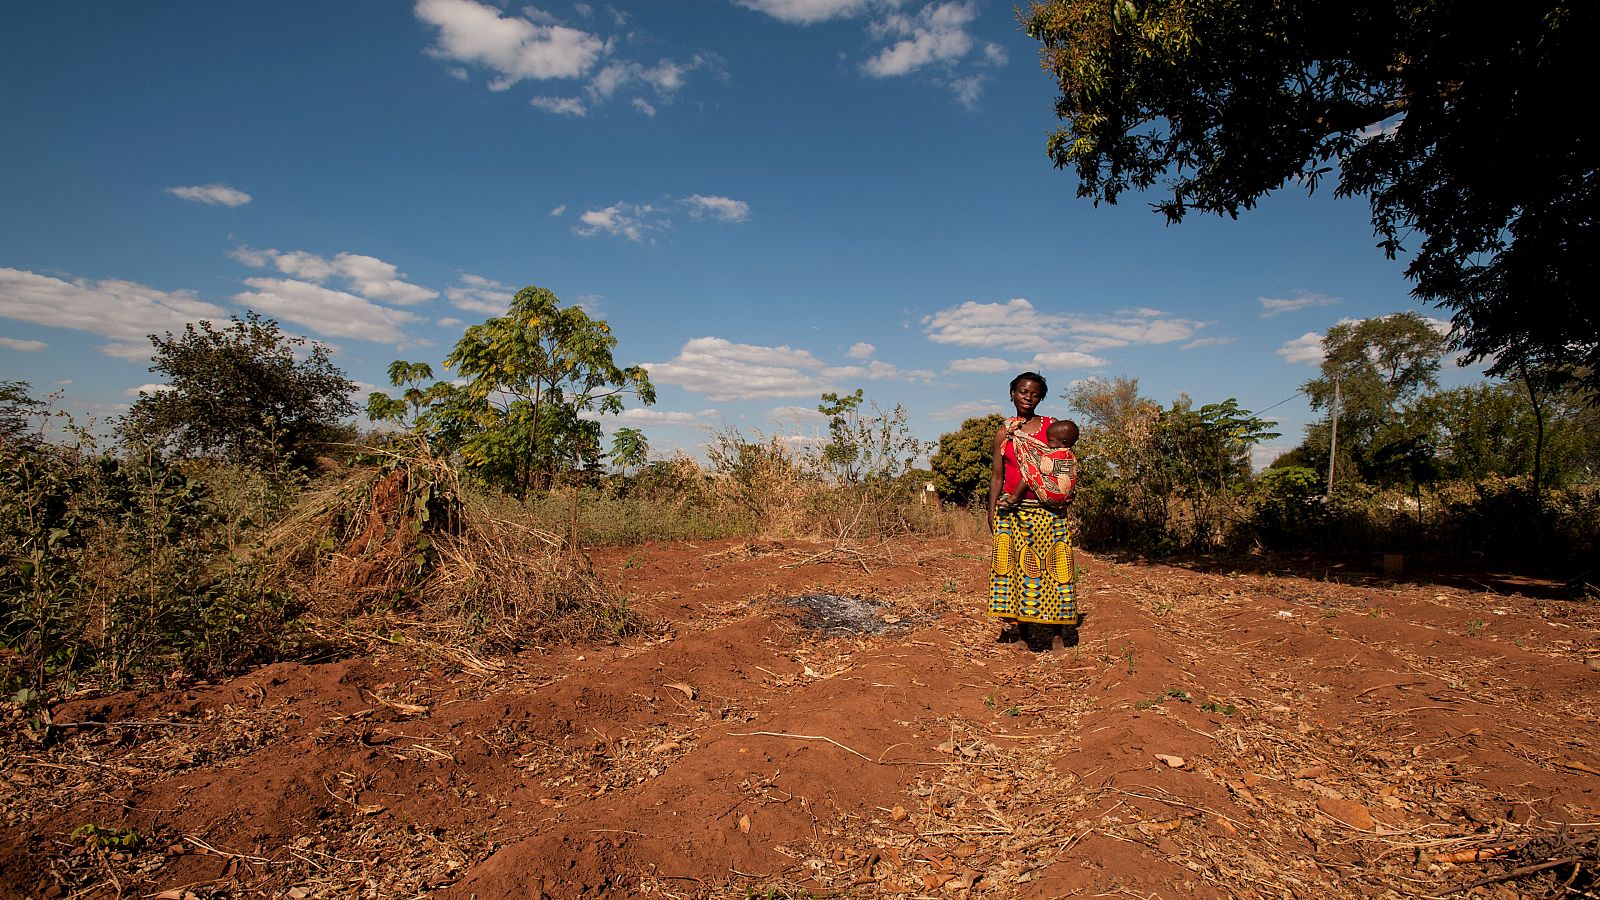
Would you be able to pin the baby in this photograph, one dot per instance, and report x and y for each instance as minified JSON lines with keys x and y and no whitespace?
{"x":1056,"y":464}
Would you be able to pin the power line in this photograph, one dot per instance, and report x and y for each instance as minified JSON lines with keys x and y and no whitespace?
{"x":1281,"y":402}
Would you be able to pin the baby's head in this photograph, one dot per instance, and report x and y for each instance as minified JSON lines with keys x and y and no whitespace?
{"x":1062,"y":433}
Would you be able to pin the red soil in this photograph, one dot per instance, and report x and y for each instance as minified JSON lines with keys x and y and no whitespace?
{"x":1338,"y":738}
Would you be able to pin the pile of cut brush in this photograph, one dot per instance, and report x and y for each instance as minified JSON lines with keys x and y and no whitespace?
{"x":397,"y":538}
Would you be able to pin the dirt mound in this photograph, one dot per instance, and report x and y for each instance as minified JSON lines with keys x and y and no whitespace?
{"x":1215,"y":734}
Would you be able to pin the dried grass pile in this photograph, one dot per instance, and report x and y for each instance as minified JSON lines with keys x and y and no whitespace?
{"x":398,"y":539}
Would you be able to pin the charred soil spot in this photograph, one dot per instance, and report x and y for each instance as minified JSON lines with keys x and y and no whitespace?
{"x":839,"y":615}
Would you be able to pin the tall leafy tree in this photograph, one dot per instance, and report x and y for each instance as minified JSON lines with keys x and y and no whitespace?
{"x":17,"y":408}
{"x":1453,"y":119}
{"x":246,"y":393}
{"x":529,"y":376}
{"x":961,"y":464}
{"x":1378,"y":366}
{"x":629,"y":449}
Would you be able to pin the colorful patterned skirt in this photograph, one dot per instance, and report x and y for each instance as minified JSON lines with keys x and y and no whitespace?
{"x":1033,"y":578}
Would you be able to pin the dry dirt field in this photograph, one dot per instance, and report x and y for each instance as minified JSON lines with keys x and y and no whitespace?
{"x":1215,"y":733}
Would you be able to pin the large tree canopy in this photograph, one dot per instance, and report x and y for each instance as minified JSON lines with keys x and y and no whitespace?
{"x":1455,"y":120}
{"x":247,"y":393}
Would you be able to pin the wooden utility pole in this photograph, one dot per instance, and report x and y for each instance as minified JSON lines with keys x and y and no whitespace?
{"x":1333,"y":435}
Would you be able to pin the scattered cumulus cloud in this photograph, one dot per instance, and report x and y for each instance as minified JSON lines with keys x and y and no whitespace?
{"x":723,"y":209}
{"x":536,"y":45}
{"x":147,"y":389}
{"x":1057,"y":360}
{"x":1307,"y":348}
{"x":637,"y":222}
{"x":367,"y":276}
{"x":558,"y":211}
{"x":724,"y":370}
{"x":124,"y":312}
{"x":1197,"y":343}
{"x":968,"y":410}
{"x":213,"y":194}
{"x":514,"y":48}
{"x":479,"y":295}
{"x":934,"y":39}
{"x":807,"y":12}
{"x":1018,"y":325}
{"x":22,"y":345}
{"x":980,"y":364}
{"x":325,"y":310}
{"x":644,"y":415}
{"x":561,"y":106}
{"x":632,"y":221}
{"x":450,"y":322}
{"x":936,"y":34}
{"x":1273,"y":306}
{"x":861,"y":350}
{"x":794,"y":415}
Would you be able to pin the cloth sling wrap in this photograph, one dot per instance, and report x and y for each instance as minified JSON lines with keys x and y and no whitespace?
{"x":1050,"y":472}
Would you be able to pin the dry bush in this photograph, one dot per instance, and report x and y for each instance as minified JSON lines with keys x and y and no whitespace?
{"x":398,"y":534}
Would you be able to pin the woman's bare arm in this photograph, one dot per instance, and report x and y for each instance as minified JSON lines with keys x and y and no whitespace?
{"x":996,"y":473}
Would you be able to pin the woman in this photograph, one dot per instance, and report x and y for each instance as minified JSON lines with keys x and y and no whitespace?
{"x":1032,"y":578}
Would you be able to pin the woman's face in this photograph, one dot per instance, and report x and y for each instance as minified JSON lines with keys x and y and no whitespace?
{"x":1026,"y":395}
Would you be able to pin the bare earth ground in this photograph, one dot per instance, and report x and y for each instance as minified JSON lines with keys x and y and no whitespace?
{"x":1213,"y":733}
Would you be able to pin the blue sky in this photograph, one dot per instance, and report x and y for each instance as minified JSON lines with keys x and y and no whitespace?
{"x":767,"y":199}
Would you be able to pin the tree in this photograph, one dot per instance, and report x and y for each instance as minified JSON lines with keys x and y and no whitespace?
{"x":530,"y":375}
{"x":1377,"y":366}
{"x":629,"y":449}
{"x":961,"y":464}
{"x":17,"y":407}
{"x":247,"y":393}
{"x":866,"y":447}
{"x":1452,"y":119}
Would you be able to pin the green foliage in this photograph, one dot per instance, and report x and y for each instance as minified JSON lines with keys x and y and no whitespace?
{"x":245,"y":394}
{"x":1288,"y":507}
{"x":863,"y":448}
{"x":1227,"y":101}
{"x":118,"y":567}
{"x":17,"y":410}
{"x":961,"y":465}
{"x":529,"y":376}
{"x":629,"y":449}
{"x":1160,"y":478}
{"x":1380,"y":365}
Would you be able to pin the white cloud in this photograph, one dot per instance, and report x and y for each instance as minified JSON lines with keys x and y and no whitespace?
{"x":629,"y":220}
{"x":643,"y":105}
{"x":861,"y":350}
{"x":450,"y":322}
{"x":558,"y":211}
{"x":936,"y":34}
{"x":214,"y":194}
{"x":367,"y":276}
{"x":1056,"y":360}
{"x":723,"y":370}
{"x":147,"y":389}
{"x":513,"y":47}
{"x":806,"y":12}
{"x":123,"y":311}
{"x":326,"y":311}
{"x":1197,"y":343}
{"x":1307,"y":348}
{"x":982,"y":364}
{"x":1019,"y":325}
{"x":723,"y":209}
{"x":561,"y":106}
{"x":968,"y":410}
{"x":1272,"y":306}
{"x":20,"y":344}
{"x":480,"y":295}
{"x":968,"y":90}
{"x":795,"y":415}
{"x":643,"y":415}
